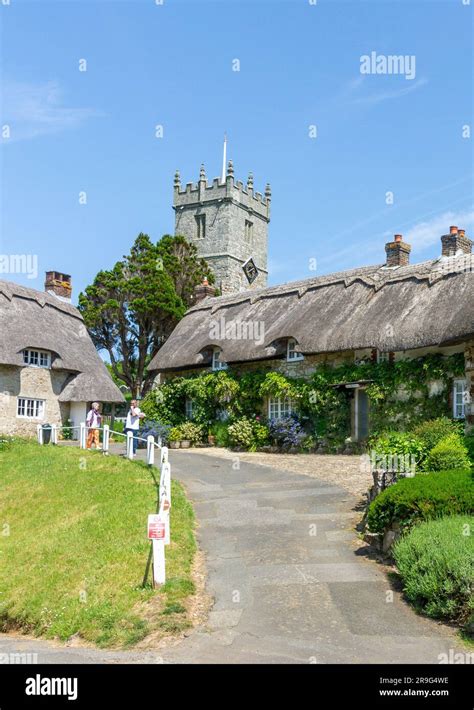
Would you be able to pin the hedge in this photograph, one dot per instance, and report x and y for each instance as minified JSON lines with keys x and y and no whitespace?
{"x":425,"y":496}
{"x":436,"y":563}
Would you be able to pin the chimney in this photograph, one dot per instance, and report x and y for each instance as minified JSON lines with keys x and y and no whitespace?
{"x":58,"y":285}
{"x":398,"y":252}
{"x":203,"y":291}
{"x":455,"y":242}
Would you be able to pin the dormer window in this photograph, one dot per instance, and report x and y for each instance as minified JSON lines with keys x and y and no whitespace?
{"x":37,"y":358}
{"x":291,"y":352}
{"x":217,"y":362}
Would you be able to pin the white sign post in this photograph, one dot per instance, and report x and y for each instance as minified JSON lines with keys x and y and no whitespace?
{"x":39,"y":429}
{"x":82,"y":435}
{"x":106,"y":439}
{"x":165,"y":498}
{"x":156,"y":533}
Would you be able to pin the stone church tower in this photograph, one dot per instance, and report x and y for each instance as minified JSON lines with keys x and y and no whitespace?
{"x":228,"y":223}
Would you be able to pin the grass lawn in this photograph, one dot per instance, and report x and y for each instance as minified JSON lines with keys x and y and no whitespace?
{"x":73,"y":547}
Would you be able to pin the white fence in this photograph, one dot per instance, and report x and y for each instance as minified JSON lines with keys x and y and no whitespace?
{"x":164,"y":503}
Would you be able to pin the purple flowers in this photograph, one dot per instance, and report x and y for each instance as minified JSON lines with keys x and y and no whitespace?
{"x":287,"y":433}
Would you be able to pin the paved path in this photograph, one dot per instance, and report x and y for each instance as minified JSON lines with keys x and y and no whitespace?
{"x":287,"y":576}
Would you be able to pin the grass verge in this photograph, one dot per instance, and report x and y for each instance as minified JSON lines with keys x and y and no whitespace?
{"x":73,"y":547}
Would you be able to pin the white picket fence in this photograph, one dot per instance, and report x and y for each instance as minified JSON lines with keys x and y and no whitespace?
{"x":164,"y":503}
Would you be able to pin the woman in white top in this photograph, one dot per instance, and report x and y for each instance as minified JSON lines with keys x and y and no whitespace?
{"x":134,"y":416}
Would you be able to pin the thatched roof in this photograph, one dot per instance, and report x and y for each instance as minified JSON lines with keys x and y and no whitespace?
{"x":392,"y":309}
{"x":34,"y":320}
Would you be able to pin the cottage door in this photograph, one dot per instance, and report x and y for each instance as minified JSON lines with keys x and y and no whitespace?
{"x":362,"y":414}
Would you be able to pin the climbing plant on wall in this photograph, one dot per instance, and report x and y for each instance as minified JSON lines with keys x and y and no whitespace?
{"x":400,"y":394}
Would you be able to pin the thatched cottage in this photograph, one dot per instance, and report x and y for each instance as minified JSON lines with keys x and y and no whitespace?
{"x":50,"y":370}
{"x":393,"y":310}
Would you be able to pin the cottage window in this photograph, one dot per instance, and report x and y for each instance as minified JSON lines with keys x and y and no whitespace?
{"x":188,"y":408}
{"x":460,"y":398}
{"x":30,"y":408}
{"x":280,"y":407}
{"x":291,"y":352}
{"x":37,"y":358}
{"x":217,"y":363}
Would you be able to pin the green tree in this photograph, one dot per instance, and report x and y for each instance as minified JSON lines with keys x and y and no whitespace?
{"x":131,"y":309}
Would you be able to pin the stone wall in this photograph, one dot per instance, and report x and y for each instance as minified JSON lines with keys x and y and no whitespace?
{"x":469,"y":360}
{"x":34,"y":383}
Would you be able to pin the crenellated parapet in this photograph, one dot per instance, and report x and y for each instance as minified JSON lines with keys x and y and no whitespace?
{"x":230,"y":190}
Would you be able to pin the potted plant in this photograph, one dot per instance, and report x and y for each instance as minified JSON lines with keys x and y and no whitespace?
{"x":191,"y":434}
{"x":175,"y":438}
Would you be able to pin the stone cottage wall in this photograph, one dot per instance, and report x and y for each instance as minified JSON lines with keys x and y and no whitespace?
{"x":34,"y":383}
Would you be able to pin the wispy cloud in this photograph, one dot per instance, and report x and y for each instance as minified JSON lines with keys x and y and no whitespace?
{"x":425,"y":234}
{"x":32,"y":110}
{"x":372,"y":98}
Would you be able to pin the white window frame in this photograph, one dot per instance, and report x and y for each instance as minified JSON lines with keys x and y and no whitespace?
{"x":280,"y":407}
{"x":188,"y":407}
{"x":30,"y":408}
{"x":460,"y":398}
{"x":37,"y":358}
{"x":217,"y":363}
{"x":291,"y":353}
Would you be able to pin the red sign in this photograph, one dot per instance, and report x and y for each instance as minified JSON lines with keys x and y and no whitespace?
{"x":156,"y":528}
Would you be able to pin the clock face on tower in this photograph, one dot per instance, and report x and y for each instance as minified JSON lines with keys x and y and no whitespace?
{"x":250,"y":270}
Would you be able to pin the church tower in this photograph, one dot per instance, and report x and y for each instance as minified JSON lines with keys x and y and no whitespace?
{"x":228,"y":223}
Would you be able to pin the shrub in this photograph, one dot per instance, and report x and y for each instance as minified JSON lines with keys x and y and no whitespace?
{"x":191,"y":432}
{"x":247,"y":434}
{"x":394,"y":445}
{"x":425,"y":496}
{"x":287,"y":433}
{"x":436,"y":563}
{"x":221,"y":431}
{"x":432,"y":431}
{"x":175,"y":434}
{"x":449,"y":453}
{"x":468,"y":442}
{"x":156,"y":429}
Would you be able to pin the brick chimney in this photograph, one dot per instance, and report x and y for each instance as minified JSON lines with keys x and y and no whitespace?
{"x":203,"y":291}
{"x":455,"y":242}
{"x":398,"y":252}
{"x":58,"y":285}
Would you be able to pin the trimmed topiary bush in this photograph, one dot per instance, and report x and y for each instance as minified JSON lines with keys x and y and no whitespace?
{"x":423,"y":497}
{"x":436,"y":564}
{"x":449,"y":453}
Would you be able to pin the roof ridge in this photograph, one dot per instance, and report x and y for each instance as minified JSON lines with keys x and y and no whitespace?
{"x":11,"y":289}
{"x":377,"y":276}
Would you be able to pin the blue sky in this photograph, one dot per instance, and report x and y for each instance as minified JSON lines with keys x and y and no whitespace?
{"x":172,"y":65}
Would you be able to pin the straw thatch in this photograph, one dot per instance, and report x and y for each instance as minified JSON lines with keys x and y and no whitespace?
{"x":391,"y":309}
{"x":31,"y":319}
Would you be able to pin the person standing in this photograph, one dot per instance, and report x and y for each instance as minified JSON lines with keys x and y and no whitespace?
{"x":134,"y":416}
{"x":93,"y":422}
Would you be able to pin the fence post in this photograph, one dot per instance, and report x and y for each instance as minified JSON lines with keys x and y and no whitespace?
{"x":164,"y":454}
{"x":54,"y":434}
{"x":39,"y":429}
{"x":82,"y":435}
{"x":105,"y":439}
{"x":150,"y":454}
{"x":129,"y":444}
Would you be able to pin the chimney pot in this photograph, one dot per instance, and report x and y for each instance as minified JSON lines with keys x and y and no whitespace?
{"x":398,"y":252}
{"x":203,"y":290}
{"x":455,"y":242}
{"x":59,"y":285}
